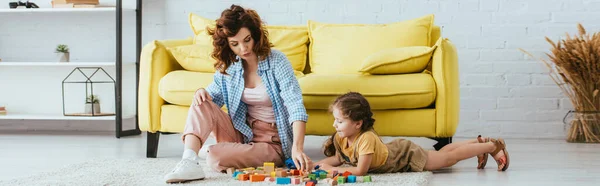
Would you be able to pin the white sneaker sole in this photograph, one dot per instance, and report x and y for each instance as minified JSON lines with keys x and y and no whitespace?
{"x":182,"y":180}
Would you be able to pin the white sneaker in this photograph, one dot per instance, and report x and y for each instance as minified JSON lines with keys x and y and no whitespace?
{"x":185,"y":170}
{"x":203,"y":153}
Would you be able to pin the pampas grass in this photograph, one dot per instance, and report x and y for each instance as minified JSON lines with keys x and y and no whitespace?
{"x":575,"y":67}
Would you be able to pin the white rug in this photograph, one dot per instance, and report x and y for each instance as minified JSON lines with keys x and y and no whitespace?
{"x":151,"y":171}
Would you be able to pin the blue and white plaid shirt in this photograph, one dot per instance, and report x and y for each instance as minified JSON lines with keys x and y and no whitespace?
{"x":277,"y":75}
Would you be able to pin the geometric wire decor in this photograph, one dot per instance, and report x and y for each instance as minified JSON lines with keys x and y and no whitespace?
{"x":92,"y":104}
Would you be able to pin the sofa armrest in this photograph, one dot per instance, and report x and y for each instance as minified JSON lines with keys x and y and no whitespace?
{"x":445,"y":73}
{"x":155,"y":63}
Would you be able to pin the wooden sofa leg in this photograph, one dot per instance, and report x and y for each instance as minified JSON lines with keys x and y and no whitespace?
{"x":441,"y":142}
{"x":152,"y":144}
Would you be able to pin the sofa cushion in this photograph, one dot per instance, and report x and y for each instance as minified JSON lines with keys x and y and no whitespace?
{"x":401,"y":91}
{"x":178,"y":87}
{"x":194,"y":57}
{"x":341,"y":48}
{"x":402,"y":60}
{"x":291,"y":40}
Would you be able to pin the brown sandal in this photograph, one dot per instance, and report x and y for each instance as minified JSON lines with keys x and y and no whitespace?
{"x":482,"y":159}
{"x":504,"y":161}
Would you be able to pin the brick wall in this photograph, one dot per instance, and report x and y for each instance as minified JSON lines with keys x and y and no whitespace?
{"x":503,"y":92}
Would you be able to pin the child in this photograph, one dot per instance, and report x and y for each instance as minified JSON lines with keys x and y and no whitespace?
{"x":357,"y":144}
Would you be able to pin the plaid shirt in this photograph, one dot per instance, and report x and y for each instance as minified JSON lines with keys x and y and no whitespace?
{"x":283,"y":89}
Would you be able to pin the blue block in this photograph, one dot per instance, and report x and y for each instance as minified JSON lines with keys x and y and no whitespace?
{"x":290,"y":163}
{"x":235,"y":174}
{"x":351,"y":179}
{"x":283,"y":181}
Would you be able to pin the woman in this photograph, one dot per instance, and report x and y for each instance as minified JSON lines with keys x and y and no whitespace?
{"x":266,"y":117}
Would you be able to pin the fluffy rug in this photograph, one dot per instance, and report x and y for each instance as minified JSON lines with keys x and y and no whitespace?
{"x":151,"y":171}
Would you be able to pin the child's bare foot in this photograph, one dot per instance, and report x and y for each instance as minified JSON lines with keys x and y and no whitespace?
{"x":483,"y":158}
{"x":500,"y":154}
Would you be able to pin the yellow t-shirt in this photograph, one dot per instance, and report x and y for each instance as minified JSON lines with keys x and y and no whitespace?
{"x":366,"y":143}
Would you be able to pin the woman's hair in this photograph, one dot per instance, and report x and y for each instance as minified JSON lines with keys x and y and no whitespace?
{"x":228,"y":25}
{"x":354,"y":106}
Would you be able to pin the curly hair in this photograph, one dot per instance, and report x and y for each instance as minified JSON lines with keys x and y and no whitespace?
{"x":356,"y":107}
{"x":228,"y":25}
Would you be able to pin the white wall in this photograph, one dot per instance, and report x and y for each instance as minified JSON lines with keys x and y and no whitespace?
{"x":503,"y":92}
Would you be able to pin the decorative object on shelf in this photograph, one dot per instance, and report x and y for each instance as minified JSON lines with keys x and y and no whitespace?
{"x":21,"y":5}
{"x":92,"y":103}
{"x":575,"y":68}
{"x":75,"y":3}
{"x":2,"y":110}
{"x":62,"y":53}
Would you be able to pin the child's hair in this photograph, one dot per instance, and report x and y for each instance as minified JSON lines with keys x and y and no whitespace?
{"x":354,"y":106}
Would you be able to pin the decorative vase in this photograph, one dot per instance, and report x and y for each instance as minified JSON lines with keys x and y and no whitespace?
{"x":62,"y":56}
{"x":584,"y":126}
{"x":95,"y":106}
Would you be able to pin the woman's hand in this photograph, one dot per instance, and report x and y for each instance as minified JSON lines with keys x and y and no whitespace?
{"x":200,"y":96}
{"x":301,"y":160}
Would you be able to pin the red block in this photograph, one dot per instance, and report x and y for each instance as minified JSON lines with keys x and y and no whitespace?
{"x":346,"y":174}
{"x":295,"y":172}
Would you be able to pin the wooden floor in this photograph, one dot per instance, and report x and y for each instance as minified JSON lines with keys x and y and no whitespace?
{"x":534,"y":162}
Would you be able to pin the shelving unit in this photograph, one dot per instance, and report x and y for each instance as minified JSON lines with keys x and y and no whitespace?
{"x":118,"y":64}
{"x":59,"y":64}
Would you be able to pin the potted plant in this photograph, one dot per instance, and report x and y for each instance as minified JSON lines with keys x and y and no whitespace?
{"x":62,"y":53}
{"x":574,"y":64}
{"x":92,"y":105}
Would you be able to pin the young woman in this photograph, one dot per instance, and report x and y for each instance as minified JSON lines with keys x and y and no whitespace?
{"x":266,"y":117}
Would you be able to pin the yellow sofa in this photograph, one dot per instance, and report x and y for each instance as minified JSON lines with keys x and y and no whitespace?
{"x":329,"y":59}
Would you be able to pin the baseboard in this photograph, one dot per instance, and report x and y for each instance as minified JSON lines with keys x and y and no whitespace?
{"x":63,"y":125}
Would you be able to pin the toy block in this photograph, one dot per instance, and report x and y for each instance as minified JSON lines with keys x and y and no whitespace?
{"x":312,"y":176}
{"x":296,"y":181}
{"x":269,"y":166}
{"x":273,"y":174}
{"x":309,"y":183}
{"x":249,"y":169}
{"x":341,"y":180}
{"x":278,"y":169}
{"x":359,"y":179}
{"x":330,"y":182}
{"x":271,"y":179}
{"x":281,"y":173}
{"x":260,"y":168}
{"x":323,"y":175}
{"x":259,"y":172}
{"x":367,"y":179}
{"x":295,"y":172}
{"x":283,"y":181}
{"x":243,"y":177}
{"x":346,"y":174}
{"x":230,"y":171}
{"x":235,"y":174}
{"x":305,"y":179}
{"x":351,"y":179}
{"x":257,"y":178}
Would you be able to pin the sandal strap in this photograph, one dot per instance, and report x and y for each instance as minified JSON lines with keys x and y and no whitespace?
{"x":499,"y":146}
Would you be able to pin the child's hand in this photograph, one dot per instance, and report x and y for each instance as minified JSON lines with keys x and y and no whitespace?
{"x":324,"y":166}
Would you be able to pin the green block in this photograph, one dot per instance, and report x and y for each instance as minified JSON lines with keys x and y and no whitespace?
{"x":323,"y":175}
{"x":312,"y":177}
{"x":366,"y":178}
{"x":341,"y":180}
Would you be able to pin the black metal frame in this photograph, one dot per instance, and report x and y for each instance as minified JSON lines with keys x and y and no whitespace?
{"x":87,"y":81}
{"x":441,"y":142}
{"x":119,"y":63}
